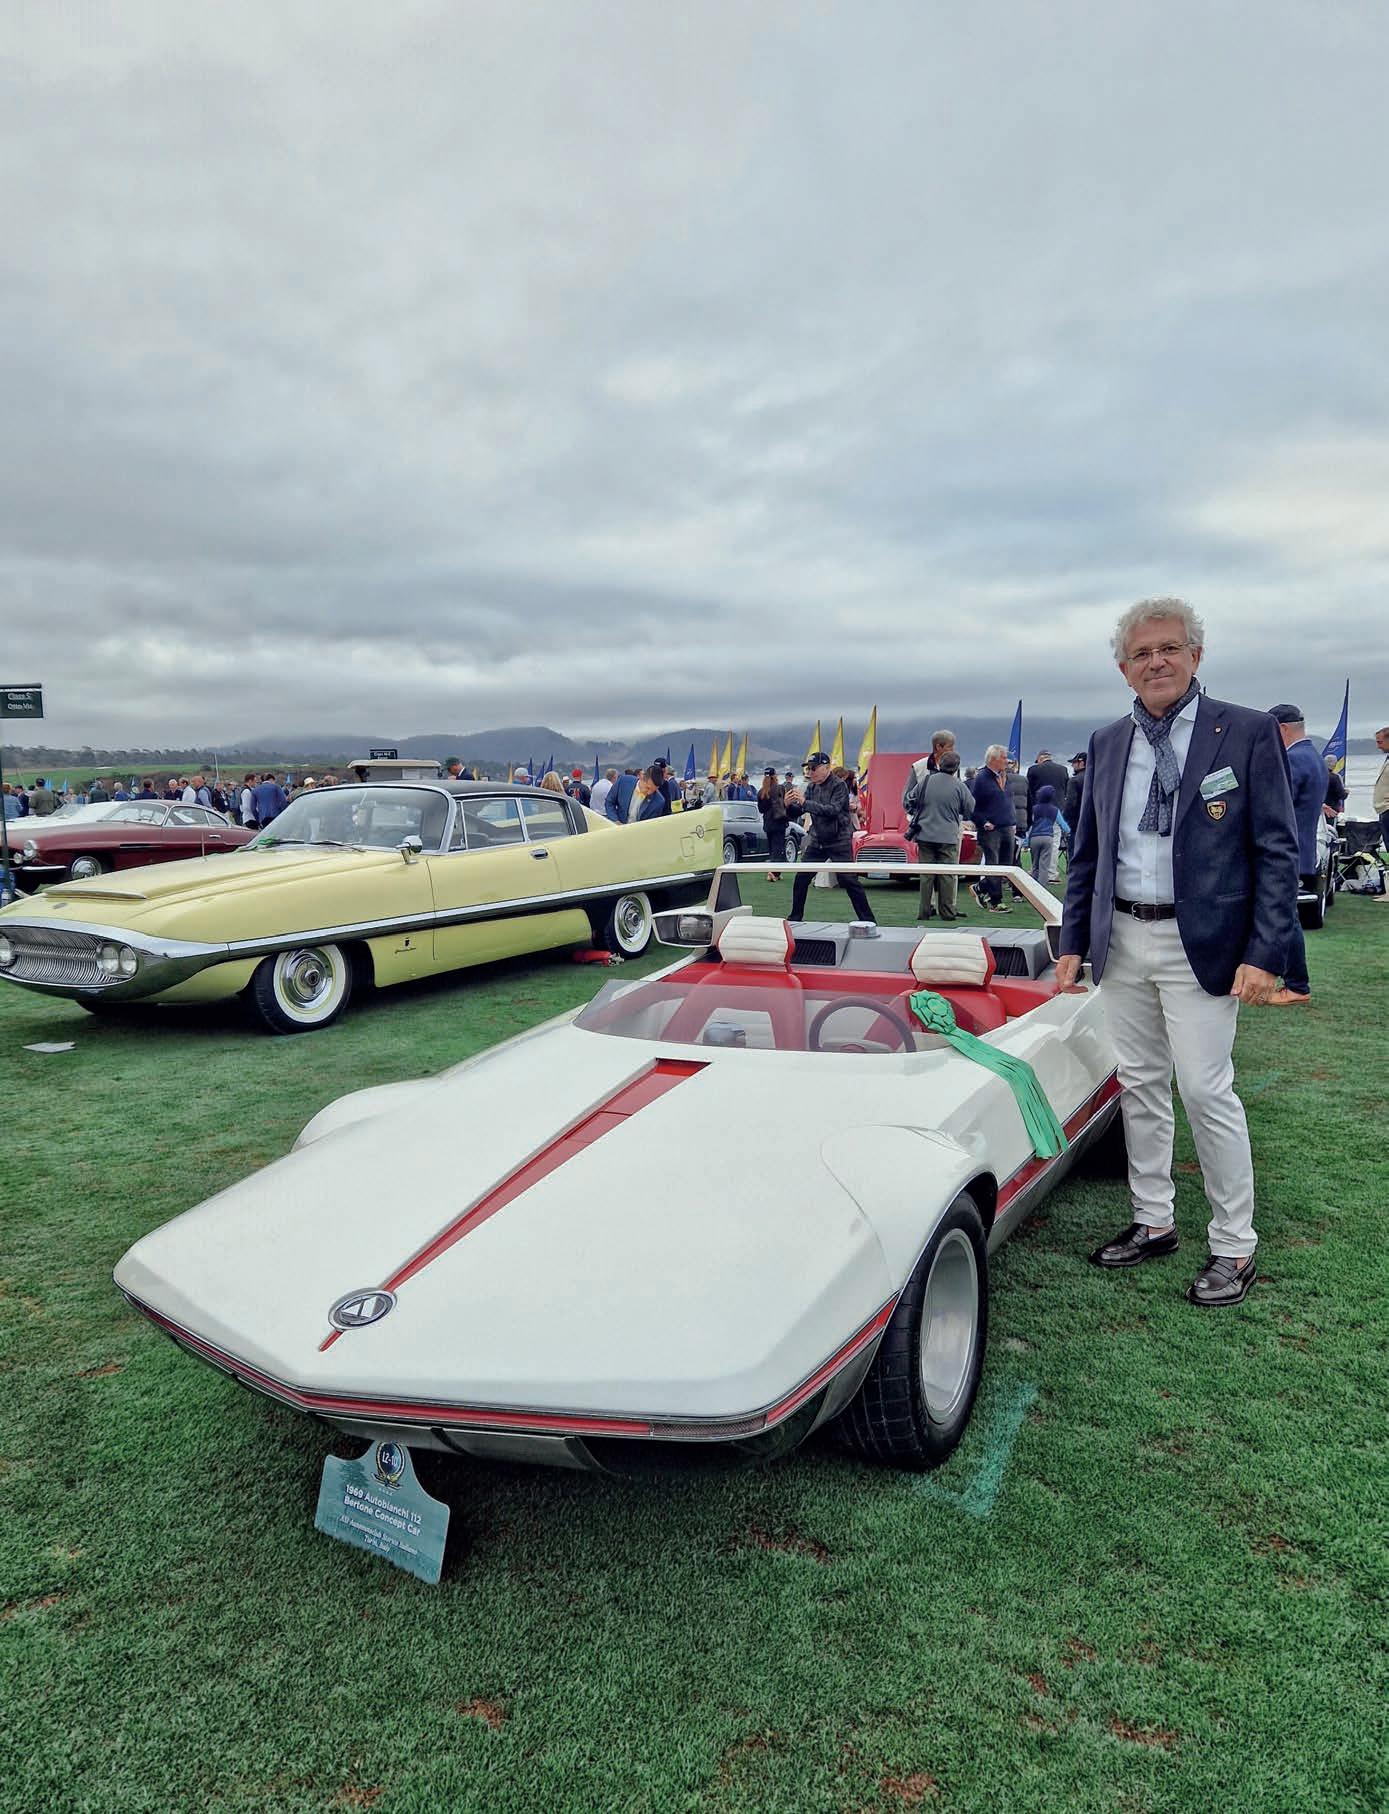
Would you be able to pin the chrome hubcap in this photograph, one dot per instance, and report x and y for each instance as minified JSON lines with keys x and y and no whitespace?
{"x":949,"y":1325}
{"x":631,"y":919}
{"x":86,"y":866}
{"x":306,"y":979}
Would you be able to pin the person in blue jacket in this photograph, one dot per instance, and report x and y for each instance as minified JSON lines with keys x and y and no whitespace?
{"x":632,"y":798}
{"x":1182,"y":893}
{"x":1307,"y":772}
{"x":270,"y":800}
{"x":995,"y":822}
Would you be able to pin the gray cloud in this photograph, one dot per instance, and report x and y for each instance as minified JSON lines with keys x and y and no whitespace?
{"x":615,"y":366}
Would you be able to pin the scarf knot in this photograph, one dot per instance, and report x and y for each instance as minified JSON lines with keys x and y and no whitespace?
{"x":1167,"y":777}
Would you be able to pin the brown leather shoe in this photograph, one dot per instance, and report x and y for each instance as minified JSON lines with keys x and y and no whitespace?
{"x":1132,"y":1245}
{"x":1287,"y":998}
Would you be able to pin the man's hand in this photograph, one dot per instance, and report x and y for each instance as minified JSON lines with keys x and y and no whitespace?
{"x":1254,"y":987}
{"x":1068,"y":975}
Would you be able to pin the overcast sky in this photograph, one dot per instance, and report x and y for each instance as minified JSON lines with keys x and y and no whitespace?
{"x":431,"y":366}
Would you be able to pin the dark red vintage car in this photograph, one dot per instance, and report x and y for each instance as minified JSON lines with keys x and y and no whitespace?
{"x":84,"y":841}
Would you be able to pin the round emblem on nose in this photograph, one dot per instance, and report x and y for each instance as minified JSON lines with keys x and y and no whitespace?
{"x":359,"y":1308}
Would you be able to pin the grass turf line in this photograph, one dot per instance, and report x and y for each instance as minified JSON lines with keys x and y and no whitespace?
{"x":1176,"y":1601}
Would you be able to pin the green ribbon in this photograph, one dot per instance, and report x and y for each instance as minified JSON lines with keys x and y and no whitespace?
{"x":1046,"y":1133}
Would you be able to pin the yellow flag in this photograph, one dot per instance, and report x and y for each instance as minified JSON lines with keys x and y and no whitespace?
{"x":837,"y":747}
{"x":814,"y":741}
{"x":714,"y":758}
{"x":511,"y":771}
{"x":726,"y":766}
{"x":868,"y":748}
{"x":740,"y":767}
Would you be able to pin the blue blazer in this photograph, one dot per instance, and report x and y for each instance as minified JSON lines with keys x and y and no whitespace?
{"x":993,"y":800}
{"x":1309,"y":795}
{"x":1234,"y":858}
{"x":620,"y":798}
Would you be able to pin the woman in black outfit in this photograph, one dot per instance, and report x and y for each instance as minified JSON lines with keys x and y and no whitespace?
{"x":771,"y":803}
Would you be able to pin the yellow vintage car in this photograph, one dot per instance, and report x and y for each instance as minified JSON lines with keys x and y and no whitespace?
{"x":358,"y":885}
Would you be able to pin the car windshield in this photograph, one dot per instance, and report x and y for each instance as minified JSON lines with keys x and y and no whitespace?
{"x":787,"y":1013}
{"x":375,"y":818}
{"x":132,"y":812}
{"x":72,"y":815}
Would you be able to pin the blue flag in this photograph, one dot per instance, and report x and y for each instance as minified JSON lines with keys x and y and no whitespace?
{"x":690,"y":765}
{"x":594,"y":782}
{"x":1015,"y":737}
{"x":549,"y":767}
{"x":530,"y":767}
{"x":1335,"y":746}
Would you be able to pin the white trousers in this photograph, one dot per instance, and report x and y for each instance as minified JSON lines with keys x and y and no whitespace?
{"x":1160,"y":1019}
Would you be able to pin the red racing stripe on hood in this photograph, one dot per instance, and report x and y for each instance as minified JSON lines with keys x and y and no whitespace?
{"x":655,"y":1081}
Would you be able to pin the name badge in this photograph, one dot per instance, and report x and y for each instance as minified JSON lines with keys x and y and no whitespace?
{"x":1219,"y":781}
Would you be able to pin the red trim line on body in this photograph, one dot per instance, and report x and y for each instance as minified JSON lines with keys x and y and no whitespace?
{"x":1078,"y":1122}
{"x":574,"y":1423}
{"x":640,"y":1091}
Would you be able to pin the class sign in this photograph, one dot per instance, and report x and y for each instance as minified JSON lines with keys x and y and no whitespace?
{"x":21,"y":702}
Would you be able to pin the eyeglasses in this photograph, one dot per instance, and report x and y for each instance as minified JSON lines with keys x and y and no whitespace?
{"x":1137,"y":658}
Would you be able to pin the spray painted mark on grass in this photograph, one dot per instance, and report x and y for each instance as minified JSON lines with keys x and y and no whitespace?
{"x":1260,"y":1084}
{"x":980,"y":1492}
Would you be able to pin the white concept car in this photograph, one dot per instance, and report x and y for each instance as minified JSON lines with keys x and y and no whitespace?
{"x":710,"y":1212}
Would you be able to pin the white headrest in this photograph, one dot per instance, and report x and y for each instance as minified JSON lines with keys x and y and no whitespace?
{"x":748,"y":940}
{"x":961,"y":958}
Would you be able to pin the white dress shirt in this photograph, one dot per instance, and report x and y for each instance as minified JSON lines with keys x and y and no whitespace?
{"x":598,"y":798}
{"x":1143,"y":868}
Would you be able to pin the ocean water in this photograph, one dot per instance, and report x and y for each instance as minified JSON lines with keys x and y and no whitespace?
{"x":1360,"y":780}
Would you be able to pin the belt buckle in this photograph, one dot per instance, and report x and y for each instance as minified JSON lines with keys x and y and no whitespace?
{"x":1136,"y":910}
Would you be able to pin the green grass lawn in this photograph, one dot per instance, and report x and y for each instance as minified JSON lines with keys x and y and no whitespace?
{"x":1153,"y":1576}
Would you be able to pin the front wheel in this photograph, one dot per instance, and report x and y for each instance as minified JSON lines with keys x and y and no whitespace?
{"x":627,"y":929}
{"x":730,"y":851}
{"x":914,"y":1404}
{"x":86,"y":868}
{"x":299,"y":991}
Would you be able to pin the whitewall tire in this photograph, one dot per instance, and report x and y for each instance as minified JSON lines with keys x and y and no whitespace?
{"x":301,"y":990}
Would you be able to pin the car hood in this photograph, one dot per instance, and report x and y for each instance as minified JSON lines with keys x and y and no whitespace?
{"x":653,"y":1268}
{"x":147,"y":894}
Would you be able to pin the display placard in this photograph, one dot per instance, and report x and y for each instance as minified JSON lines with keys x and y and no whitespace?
{"x":384,"y":755}
{"x":375,"y":1503}
{"x":21,"y":702}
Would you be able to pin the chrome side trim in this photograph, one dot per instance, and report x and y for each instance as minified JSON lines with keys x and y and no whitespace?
{"x":166,"y":962}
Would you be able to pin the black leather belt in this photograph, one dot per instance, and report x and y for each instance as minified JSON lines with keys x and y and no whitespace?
{"x":1140,"y":910}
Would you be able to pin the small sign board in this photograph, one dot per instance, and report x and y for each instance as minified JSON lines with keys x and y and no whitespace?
{"x":384,"y":755}
{"x":21,"y":702}
{"x":376,"y":1503}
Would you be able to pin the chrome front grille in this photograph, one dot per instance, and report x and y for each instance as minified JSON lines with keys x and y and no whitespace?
{"x":44,"y":955}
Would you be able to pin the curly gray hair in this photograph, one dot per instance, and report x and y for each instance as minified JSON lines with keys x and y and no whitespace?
{"x":1154,"y":610}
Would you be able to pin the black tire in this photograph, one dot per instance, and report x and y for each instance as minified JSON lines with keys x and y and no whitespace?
{"x":627,"y":926}
{"x":731,"y":852}
{"x":1108,"y":1156}
{"x":86,"y":867}
{"x":914,"y":1405}
{"x":1312,"y":916}
{"x":301,"y":990}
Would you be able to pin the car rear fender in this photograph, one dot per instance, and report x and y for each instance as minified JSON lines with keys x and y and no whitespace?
{"x":904,"y":1179}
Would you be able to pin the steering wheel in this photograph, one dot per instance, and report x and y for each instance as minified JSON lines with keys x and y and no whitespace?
{"x":812,"y":1034}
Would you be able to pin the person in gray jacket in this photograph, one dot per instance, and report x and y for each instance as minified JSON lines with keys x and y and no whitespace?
{"x":935,"y":810}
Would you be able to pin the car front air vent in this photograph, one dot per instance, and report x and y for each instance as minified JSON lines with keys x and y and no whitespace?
{"x":816,"y":951}
{"x":1010,"y":961}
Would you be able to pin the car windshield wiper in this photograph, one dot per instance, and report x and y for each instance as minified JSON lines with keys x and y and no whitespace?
{"x":336,"y":843}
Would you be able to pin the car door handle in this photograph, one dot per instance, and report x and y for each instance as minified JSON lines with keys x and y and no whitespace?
{"x":539,"y":851}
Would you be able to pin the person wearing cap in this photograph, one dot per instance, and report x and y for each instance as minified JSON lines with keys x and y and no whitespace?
{"x":577,"y":790}
{"x":1308,"y":777}
{"x":453,"y":769}
{"x":828,"y":801}
{"x":1075,"y":789}
{"x":1181,"y":893}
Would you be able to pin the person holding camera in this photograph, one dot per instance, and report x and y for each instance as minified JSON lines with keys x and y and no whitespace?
{"x":828,"y":801}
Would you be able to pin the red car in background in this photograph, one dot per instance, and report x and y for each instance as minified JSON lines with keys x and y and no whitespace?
{"x":884,"y":838}
{"x":80,"y":842}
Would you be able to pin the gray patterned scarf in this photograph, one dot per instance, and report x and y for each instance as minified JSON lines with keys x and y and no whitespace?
{"x":1167,"y":777}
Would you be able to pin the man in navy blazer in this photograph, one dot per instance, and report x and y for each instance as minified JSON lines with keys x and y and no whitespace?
{"x":645,"y":789}
{"x":1308,"y":774}
{"x":1182,"y":893}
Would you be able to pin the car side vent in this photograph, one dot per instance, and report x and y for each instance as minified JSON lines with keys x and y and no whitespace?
{"x":1009,"y":961}
{"x":815,"y":951}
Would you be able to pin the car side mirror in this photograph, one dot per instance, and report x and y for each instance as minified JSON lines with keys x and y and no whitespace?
{"x":410,"y":848}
